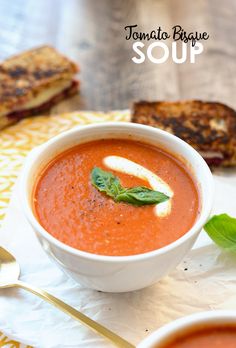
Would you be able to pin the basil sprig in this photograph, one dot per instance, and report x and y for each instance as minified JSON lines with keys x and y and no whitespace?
{"x":222,"y":230}
{"x":108,"y":183}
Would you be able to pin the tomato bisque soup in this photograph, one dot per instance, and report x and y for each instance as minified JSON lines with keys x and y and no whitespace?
{"x":217,"y":337}
{"x":75,"y":212}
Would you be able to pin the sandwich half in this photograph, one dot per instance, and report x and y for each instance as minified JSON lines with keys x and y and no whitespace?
{"x":33,"y":82}
{"x":207,"y":126}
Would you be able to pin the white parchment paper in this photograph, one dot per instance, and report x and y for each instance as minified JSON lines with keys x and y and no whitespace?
{"x":206,"y":279}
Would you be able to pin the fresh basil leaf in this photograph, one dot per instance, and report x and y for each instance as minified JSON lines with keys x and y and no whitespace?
{"x":110,"y":184}
{"x":106,"y":182}
{"x":222,"y":230}
{"x":141,"y":195}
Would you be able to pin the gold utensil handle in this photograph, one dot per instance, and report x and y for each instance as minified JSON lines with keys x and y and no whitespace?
{"x":115,"y":339}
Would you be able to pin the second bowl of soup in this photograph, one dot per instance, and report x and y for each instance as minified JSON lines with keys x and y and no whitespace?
{"x":200,"y":330}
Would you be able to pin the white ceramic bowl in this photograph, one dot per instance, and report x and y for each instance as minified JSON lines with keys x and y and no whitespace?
{"x":188,"y":323}
{"x":116,"y":273}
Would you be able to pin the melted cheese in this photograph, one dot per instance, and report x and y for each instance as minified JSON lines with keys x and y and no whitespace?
{"x":46,"y":95}
{"x":42,"y":97}
{"x":211,"y":154}
{"x":123,"y":165}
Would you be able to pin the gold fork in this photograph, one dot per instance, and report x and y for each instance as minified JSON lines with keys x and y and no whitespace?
{"x":9,"y":277}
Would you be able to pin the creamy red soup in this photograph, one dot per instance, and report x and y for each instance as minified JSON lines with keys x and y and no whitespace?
{"x":217,"y":337}
{"x":72,"y":210}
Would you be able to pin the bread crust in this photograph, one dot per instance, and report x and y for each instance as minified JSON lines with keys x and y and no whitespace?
{"x":210,"y":127}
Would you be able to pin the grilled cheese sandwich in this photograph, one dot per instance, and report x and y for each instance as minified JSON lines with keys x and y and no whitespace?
{"x":207,"y":126}
{"x":33,"y":82}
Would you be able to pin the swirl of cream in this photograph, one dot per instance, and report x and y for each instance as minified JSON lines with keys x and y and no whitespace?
{"x":123,"y":165}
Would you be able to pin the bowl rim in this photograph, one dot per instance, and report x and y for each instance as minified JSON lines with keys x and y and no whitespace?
{"x":220,"y":316}
{"x":27,"y":210}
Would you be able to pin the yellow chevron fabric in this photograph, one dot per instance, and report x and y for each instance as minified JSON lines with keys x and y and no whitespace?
{"x":18,"y":140}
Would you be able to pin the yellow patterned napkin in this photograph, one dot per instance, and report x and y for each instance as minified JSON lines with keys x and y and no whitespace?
{"x":18,"y":140}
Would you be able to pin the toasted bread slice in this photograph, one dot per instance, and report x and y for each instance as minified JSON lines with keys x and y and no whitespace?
{"x":32,"y":79}
{"x":209,"y":127}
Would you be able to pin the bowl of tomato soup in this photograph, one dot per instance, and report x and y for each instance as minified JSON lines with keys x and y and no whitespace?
{"x":205,"y":330}
{"x":116,"y":205}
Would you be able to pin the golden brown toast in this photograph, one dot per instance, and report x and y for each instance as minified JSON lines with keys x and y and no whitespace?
{"x":208,"y":126}
{"x":33,"y":81}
